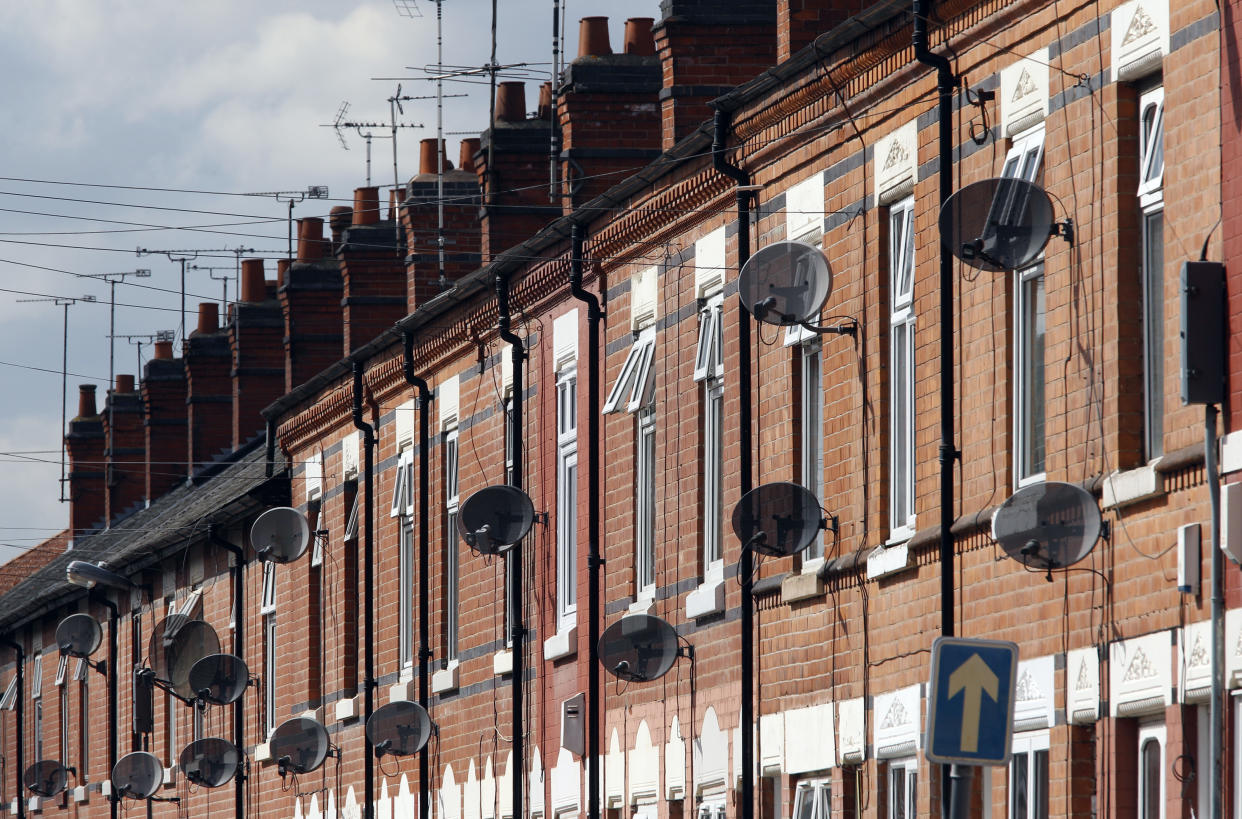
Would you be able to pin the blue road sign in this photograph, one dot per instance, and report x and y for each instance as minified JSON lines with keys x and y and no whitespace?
{"x":970,"y":706}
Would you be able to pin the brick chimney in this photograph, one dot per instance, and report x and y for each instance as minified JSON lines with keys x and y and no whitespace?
{"x":609,"y":110}
{"x":372,"y":273}
{"x":255,"y":334}
{"x":421,"y":220}
{"x":798,"y":22}
{"x":706,"y":48}
{"x":209,"y":390}
{"x":310,"y":301}
{"x":85,"y":442}
{"x":164,"y":420}
{"x":126,"y":452}
{"x":515,"y":203}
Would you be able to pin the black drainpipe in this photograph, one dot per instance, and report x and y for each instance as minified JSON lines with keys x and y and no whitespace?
{"x":114,"y":623}
{"x":720,"y":122}
{"x":424,"y":562}
{"x":368,"y":593}
{"x":239,"y":646}
{"x":955,"y":777}
{"x":269,"y":454}
{"x":594,"y":560}
{"x":21,"y":708}
{"x":518,"y":635}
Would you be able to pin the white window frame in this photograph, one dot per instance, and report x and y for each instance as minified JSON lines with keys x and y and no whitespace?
{"x":1236,"y":777}
{"x":511,"y":555}
{"x":36,"y":705}
{"x":709,"y":370}
{"x":452,"y":568}
{"x":796,"y":333}
{"x":267,"y":603}
{"x":36,"y":677}
{"x":63,"y":696}
{"x":567,"y":497}
{"x":644,"y":506}
{"x":351,"y":522}
{"x":403,"y":505}
{"x":819,"y":793}
{"x":1025,"y":155}
{"x":635,"y":386}
{"x":61,"y":668}
{"x":1027,"y":746}
{"x":811,"y":449}
{"x":269,"y":674}
{"x":909,"y":769}
{"x":712,"y":807}
{"x":708,"y":356}
{"x":1158,"y":733}
{"x":9,"y":701}
{"x":901,"y":260}
{"x":1151,"y":205}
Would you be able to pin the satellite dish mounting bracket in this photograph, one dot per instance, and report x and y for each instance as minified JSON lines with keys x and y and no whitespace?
{"x":1064,"y":229}
{"x":849,"y":327}
{"x":167,"y":688}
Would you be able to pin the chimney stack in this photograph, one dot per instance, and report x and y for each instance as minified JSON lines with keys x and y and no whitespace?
{"x":258,"y":364}
{"x":461,"y":227}
{"x":799,"y":22}
{"x":85,"y":443}
{"x":310,"y":303}
{"x":209,"y":390}
{"x":372,"y":274}
{"x":164,"y":420}
{"x":126,"y":450}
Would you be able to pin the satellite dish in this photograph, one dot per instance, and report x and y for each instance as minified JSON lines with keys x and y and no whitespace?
{"x":1048,"y":525}
{"x":493,"y":519}
{"x":299,"y":745}
{"x":638,"y":648}
{"x":218,"y":678}
{"x":779,"y":519}
{"x":137,"y":775}
{"x":280,"y":535}
{"x":210,"y":762}
{"x":997,"y":224}
{"x":46,"y":778}
{"x":399,"y":728}
{"x":78,"y":635}
{"x":785,"y":283}
{"x":177,"y":643}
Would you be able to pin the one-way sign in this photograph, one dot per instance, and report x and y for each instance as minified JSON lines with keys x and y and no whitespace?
{"x":970,"y":706}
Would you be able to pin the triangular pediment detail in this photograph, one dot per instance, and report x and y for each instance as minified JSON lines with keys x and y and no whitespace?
{"x":896,"y":155}
{"x":896,"y":716}
{"x":1141,"y":25}
{"x":1025,"y":86}
{"x":1140,"y":668}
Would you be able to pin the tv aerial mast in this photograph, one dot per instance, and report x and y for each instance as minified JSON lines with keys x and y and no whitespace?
{"x":148,"y":338}
{"x":183,"y":256}
{"x":364,"y":130}
{"x":293,"y":197}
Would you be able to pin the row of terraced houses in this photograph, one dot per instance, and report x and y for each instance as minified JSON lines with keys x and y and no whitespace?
{"x":584,"y":339}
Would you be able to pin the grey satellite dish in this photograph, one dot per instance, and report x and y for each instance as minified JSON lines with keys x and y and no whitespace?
{"x":137,"y":775}
{"x":177,"y":643}
{"x":495,"y":518}
{"x":778,"y":519}
{"x":785,"y":283}
{"x":299,"y":745}
{"x":1048,"y":525}
{"x":209,"y":762}
{"x":78,"y":635}
{"x":280,"y":535}
{"x":997,"y":224}
{"x":638,"y":648}
{"x":218,"y":678}
{"x":399,"y":728}
{"x":46,"y":777}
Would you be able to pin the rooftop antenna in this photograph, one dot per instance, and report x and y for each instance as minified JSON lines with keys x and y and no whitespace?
{"x":224,"y":283}
{"x":293,"y":197}
{"x":65,"y":302}
{"x":112,"y":279}
{"x":149,"y":338}
{"x":403,"y":7}
{"x":181,"y":257}
{"x":363,"y":129}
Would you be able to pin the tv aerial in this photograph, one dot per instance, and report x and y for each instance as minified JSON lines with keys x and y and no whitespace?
{"x":639,"y":648}
{"x":1000,"y":224}
{"x":399,"y":728}
{"x":787,"y":283}
{"x":137,"y":775}
{"x":177,"y":644}
{"x":210,"y":762}
{"x":779,"y":519}
{"x":493,"y":519}
{"x":79,"y":635}
{"x":280,"y":535}
{"x":218,"y":679}
{"x":366,"y":129}
{"x":299,"y":745}
{"x":1048,"y":525}
{"x":47,"y":777}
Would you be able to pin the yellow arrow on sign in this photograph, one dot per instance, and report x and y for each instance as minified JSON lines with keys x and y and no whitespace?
{"x":974,"y":678}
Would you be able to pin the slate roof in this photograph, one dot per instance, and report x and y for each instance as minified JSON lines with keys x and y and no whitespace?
{"x":239,"y":488}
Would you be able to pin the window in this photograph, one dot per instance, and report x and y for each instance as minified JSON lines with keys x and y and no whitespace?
{"x":903,"y":788}
{"x":1151,"y":739}
{"x":403,"y":509}
{"x":712,"y":807}
{"x":644,"y":506}
{"x":901,"y":369}
{"x":1151,"y":222}
{"x":267,"y":604}
{"x":269,"y":674}
{"x":810,"y":359}
{"x":1028,"y":776}
{"x":512,"y":612}
{"x":567,"y":497}
{"x":635,"y":386}
{"x":813,"y":800}
{"x":451,"y":579}
{"x":36,"y":698}
{"x":84,"y":721}
{"x":64,"y":723}
{"x":351,"y":522}
{"x":1024,"y":162}
{"x":61,"y":668}
{"x":9,"y":700}
{"x":709,"y":371}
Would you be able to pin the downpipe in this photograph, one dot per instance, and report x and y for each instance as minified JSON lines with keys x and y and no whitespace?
{"x":368,"y":592}
{"x":18,"y":784}
{"x":239,"y":647}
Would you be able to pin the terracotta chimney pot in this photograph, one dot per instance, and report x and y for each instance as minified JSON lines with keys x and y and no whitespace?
{"x":311,"y":246}
{"x":208,"y":317}
{"x":124,"y":383}
{"x":511,"y":101}
{"x":282,"y":265}
{"x":366,"y":206}
{"x":340,"y":218}
{"x":638,"y":39}
{"x":544,"y":111}
{"x":593,"y":37}
{"x":253,"y":284}
{"x":465,"y":157}
{"x":427,"y":156}
{"x":163,"y":350}
{"x":86,"y":401}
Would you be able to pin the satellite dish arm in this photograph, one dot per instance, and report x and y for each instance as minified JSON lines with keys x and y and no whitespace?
{"x":164,"y":686}
{"x":848,"y":327}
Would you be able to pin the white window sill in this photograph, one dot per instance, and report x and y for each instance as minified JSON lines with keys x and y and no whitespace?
{"x":1231,"y":452}
{"x":1032,"y":479}
{"x":707,"y":599}
{"x":811,"y":565}
{"x":446,"y":679}
{"x":347,"y":709}
{"x":81,"y":794}
{"x":642,"y":605}
{"x":262,"y":752}
{"x":887,"y":561}
{"x":802,"y":586}
{"x":170,"y":776}
{"x":900,"y":534}
{"x":1132,"y":486}
{"x":562,"y":644}
{"x":502,"y":662}
{"x":403,"y":689}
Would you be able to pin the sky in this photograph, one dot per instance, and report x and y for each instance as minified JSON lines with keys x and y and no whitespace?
{"x":140,"y":123}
